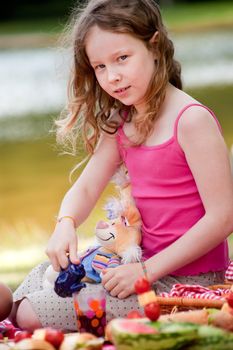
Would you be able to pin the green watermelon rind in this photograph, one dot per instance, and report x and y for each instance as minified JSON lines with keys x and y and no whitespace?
{"x":167,"y":336}
{"x":212,"y":338}
{"x":172,"y":336}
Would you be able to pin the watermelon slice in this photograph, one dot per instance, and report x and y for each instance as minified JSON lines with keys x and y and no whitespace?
{"x":132,"y":334}
{"x":135,"y":327}
{"x":212,"y":338}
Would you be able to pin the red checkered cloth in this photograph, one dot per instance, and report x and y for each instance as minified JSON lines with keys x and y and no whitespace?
{"x":229,"y":272}
{"x":7,"y":329}
{"x":196,"y":292}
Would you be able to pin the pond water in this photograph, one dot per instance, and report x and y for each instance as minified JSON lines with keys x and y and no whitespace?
{"x":34,"y":81}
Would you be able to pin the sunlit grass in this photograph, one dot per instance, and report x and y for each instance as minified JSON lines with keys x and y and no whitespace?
{"x":16,"y":263}
{"x":39,"y":25}
{"x":198,"y":16}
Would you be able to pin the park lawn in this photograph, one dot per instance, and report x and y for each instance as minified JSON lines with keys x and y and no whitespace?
{"x":198,"y":16}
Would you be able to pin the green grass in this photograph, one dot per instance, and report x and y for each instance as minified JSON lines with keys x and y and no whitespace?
{"x":41,"y":25}
{"x":198,"y":16}
{"x":219,"y":99}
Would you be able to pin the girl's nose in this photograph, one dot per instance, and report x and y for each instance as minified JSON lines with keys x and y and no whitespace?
{"x":102,"y":224}
{"x":113,"y":76}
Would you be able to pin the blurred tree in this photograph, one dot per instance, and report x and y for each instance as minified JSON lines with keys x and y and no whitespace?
{"x":196,"y":1}
{"x":36,"y":9}
{"x":27,"y":9}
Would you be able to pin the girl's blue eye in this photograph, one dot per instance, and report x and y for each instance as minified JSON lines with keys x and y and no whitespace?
{"x":123,"y":57}
{"x":100,"y":66}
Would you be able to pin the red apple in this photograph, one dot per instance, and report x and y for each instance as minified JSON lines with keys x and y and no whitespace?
{"x":51,"y":335}
{"x":152,"y":311}
{"x":229,"y":299}
{"x":22,"y":335}
{"x":54,"y":337}
{"x":142,"y":285}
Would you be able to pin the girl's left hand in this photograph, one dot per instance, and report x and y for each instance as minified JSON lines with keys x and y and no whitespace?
{"x":119,"y":281}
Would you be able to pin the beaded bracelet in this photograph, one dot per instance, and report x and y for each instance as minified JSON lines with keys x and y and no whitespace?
{"x":67,"y":217}
{"x":144,"y":268}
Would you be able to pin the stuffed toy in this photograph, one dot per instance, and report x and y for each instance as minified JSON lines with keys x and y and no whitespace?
{"x":118,"y":242}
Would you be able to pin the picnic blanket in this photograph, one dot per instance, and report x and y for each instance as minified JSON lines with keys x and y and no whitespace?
{"x":196,"y":292}
{"x":229,"y":272}
{"x":200,"y":292}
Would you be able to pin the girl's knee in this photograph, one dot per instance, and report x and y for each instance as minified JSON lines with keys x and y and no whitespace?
{"x":26,"y":317}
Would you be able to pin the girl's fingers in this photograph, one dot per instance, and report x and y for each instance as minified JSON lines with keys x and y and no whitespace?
{"x":73,"y":253}
{"x":123,"y":294}
{"x":109,"y":285}
{"x":55,"y":264}
{"x":106,"y":275}
{"x":115,"y":291}
{"x":63,"y":259}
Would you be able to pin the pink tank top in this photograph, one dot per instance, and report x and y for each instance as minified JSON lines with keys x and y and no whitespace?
{"x":167,"y":197}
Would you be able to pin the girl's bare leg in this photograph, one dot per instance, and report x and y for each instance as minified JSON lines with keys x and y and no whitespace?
{"x":25,"y":316}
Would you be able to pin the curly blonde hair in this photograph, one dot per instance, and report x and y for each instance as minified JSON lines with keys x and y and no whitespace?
{"x":89,"y":106}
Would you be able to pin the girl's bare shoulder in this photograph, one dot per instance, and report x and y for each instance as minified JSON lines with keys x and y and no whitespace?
{"x":197,"y":117}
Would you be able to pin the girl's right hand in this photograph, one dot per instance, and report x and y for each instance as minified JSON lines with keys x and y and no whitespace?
{"x":63,"y":243}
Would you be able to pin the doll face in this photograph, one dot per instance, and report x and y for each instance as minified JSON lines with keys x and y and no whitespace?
{"x":107,"y":233}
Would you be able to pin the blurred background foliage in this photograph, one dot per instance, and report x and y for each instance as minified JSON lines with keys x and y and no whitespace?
{"x":34,"y":175}
{"x":38,"y":9}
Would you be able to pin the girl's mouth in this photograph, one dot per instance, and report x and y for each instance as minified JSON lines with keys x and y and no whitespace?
{"x":122,"y":90}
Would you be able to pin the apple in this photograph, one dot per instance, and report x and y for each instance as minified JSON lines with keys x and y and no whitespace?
{"x":229,"y":299}
{"x":33,"y":344}
{"x":152,"y":310}
{"x":142,"y":285}
{"x":22,"y":335}
{"x":51,"y":335}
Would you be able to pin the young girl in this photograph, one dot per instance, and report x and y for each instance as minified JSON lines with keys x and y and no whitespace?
{"x":126,"y":93}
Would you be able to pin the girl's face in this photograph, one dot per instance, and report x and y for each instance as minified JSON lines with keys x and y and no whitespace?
{"x":123,"y":65}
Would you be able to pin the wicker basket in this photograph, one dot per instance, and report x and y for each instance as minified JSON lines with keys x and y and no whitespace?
{"x":173,"y":304}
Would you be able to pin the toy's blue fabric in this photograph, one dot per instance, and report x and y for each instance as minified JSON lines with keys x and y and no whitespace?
{"x":92,"y":263}
{"x":69,"y":280}
{"x":87,"y":263}
{"x":95,"y":260}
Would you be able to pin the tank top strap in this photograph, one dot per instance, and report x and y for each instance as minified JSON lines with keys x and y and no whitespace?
{"x":189,"y":106}
{"x":123,"y":116}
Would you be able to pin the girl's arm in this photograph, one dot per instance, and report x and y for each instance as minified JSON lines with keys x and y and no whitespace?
{"x":208,"y":159}
{"x":80,"y":200}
